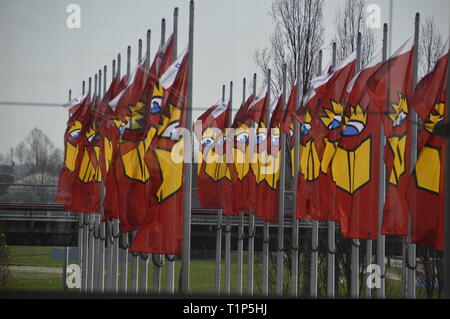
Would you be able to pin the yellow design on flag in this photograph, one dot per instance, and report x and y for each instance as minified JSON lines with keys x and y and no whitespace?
{"x":399,"y":111}
{"x":351,"y":169}
{"x":398,"y":148}
{"x":170,"y":160}
{"x":72,"y":150}
{"x":436,"y":116}
{"x":428,"y":168}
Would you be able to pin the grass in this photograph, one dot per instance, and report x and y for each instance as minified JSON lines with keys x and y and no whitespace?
{"x":202,"y":274}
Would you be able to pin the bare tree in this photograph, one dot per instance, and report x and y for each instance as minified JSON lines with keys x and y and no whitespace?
{"x":20,"y":152}
{"x":430,"y":45}
{"x":298,"y":34}
{"x":349,"y":21}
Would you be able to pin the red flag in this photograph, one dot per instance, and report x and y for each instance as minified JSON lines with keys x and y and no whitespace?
{"x":80,"y":177}
{"x":236,"y":196}
{"x":426,"y":188}
{"x":326,"y":127}
{"x":257,"y":123}
{"x":130,"y":95}
{"x":355,"y":165}
{"x":161,"y":232}
{"x":390,"y":89}
{"x":269,"y":155}
{"x":212,"y":166}
{"x":132,"y":182}
{"x":307,"y":197}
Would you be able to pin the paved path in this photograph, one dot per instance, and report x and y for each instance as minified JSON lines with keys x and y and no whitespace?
{"x":34,"y":271}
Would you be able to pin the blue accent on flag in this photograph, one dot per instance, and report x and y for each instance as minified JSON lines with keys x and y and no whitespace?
{"x":334,"y":125}
{"x":350,"y":131}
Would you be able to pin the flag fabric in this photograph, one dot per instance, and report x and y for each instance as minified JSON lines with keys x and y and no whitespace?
{"x":307,"y":196}
{"x":257,"y":122}
{"x":80,"y":177}
{"x":269,"y":162}
{"x":356,"y":164}
{"x":426,"y":188}
{"x":211,"y":165}
{"x":132,"y":182}
{"x":326,"y":124}
{"x":390,"y":89}
{"x":161,"y":231}
{"x":236,"y":194}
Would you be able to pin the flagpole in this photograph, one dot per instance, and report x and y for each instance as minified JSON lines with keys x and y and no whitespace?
{"x":315,"y":229}
{"x":170,"y":273}
{"x":103,"y":224}
{"x":85,"y":269}
{"x":115,"y":231}
{"x":98,"y":253}
{"x":91,"y":249}
{"x":251,"y":234}
{"x":163,"y":32}
{"x":81,"y":226}
{"x":381,"y":243}
{"x":219,"y":234}
{"x":90,"y":271}
{"x":108,"y":253}
{"x":331,"y":257}
{"x":446,"y":275}
{"x":295,"y":221}
{"x":186,"y":257}
{"x":109,"y":228}
{"x":135,"y":256}
{"x":280,"y":235}
{"x":240,"y":248}
{"x":266,"y":235}
{"x":96,"y":230}
{"x":157,"y":259}
{"x":355,"y":242}
{"x":411,"y":258}
{"x":66,"y":248}
{"x":227,"y":279}
{"x":124,"y":240}
{"x":143,"y":273}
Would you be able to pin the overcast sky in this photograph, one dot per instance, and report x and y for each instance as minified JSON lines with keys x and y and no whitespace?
{"x":41,"y":58}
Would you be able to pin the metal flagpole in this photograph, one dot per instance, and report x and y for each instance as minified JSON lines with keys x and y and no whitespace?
{"x":251,"y":234}
{"x":102,"y":224}
{"x":124,"y":240}
{"x":186,"y":257}
{"x":219,"y":234}
{"x":143,"y":273}
{"x":97,"y":239}
{"x":411,"y":261}
{"x":109,"y":240}
{"x":227,"y":279}
{"x":115,"y":231}
{"x":66,"y":248}
{"x":93,"y":252}
{"x":295,"y":222}
{"x":266,"y":235}
{"x":331,"y":257}
{"x":157,"y":259}
{"x":280,"y":235}
{"x":447,"y":200}
{"x":170,"y":273}
{"x":355,"y":242}
{"x":315,"y":230}
{"x":240,"y":248}
{"x":381,"y":292}
{"x":85,"y":262}
{"x":135,"y":256}
{"x":81,"y":225}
